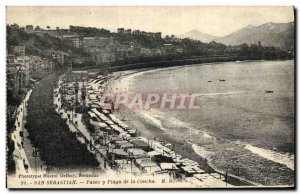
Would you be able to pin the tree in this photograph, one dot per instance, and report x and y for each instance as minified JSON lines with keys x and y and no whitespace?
{"x":244,"y":49}
{"x":48,"y":27}
{"x":37,"y":28}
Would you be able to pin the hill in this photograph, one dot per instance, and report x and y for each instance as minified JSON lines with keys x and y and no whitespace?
{"x":40,"y":45}
{"x":197,"y":35}
{"x":270,"y":34}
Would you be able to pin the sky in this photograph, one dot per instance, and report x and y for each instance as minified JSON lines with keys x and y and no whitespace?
{"x":217,"y":21}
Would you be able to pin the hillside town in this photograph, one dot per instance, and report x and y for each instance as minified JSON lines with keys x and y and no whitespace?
{"x":23,"y":68}
{"x":106,"y":47}
{"x":81,"y":46}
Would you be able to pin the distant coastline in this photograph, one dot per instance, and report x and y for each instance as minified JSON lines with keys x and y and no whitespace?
{"x":181,"y":62}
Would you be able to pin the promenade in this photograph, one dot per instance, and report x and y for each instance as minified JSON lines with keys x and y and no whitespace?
{"x":25,"y":155}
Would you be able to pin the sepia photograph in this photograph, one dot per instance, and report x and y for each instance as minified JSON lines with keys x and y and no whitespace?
{"x":150,"y":97}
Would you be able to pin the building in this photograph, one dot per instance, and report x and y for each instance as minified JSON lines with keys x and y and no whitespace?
{"x":20,"y":60}
{"x":133,"y":51}
{"x":111,"y":40}
{"x":75,"y":41}
{"x":179,"y":50}
{"x":29,"y":27}
{"x":259,"y":44}
{"x":143,"y":33}
{"x":58,"y":57}
{"x":146,"y":52}
{"x":149,"y":34}
{"x":128,"y":31}
{"x":10,"y":59}
{"x":74,"y":76}
{"x":36,"y":63}
{"x":156,"y":51}
{"x":131,"y":44}
{"x":136,"y":32}
{"x":122,"y":52}
{"x":168,"y":49}
{"x":157,"y":35}
{"x":178,"y":40}
{"x":26,"y":68}
{"x":19,"y":50}
{"x":14,"y":77}
{"x":22,"y":64}
{"x":28,"y":61}
{"x":51,"y":65}
{"x":120,"y":30}
{"x":103,"y":56}
{"x":90,"y":43}
{"x":111,"y":48}
{"x":44,"y":64}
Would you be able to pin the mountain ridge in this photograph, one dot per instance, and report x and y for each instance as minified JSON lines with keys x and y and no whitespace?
{"x":269,"y":34}
{"x":198,"y":35}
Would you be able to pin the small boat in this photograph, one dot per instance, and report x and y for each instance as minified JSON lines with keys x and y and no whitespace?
{"x":269,"y":91}
{"x":209,"y":81}
{"x":222,"y":80}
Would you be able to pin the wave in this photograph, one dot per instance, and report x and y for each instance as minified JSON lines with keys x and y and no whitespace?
{"x":219,"y":93}
{"x":285,"y":159}
{"x":153,"y":119}
{"x":201,"y":151}
{"x":160,"y":119}
{"x":165,"y":122}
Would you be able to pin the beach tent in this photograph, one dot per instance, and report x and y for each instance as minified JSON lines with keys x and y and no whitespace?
{"x":147,"y":166}
{"x":137,"y":153}
{"x":168,"y":166}
{"x":154,"y":153}
{"x":120,"y":153}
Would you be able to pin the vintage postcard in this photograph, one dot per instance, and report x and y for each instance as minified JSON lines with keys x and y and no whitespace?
{"x":150,"y":97}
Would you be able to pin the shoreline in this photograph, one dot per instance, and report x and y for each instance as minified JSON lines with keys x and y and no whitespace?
{"x":234,"y":179}
{"x":121,"y":75}
{"x":184,"y":149}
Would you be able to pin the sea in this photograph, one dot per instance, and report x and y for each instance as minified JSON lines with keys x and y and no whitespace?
{"x":245,"y":122}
